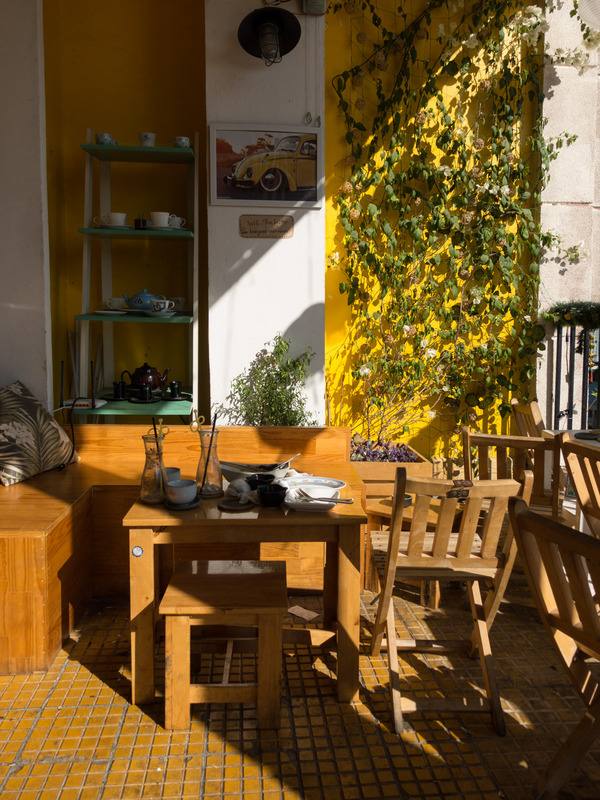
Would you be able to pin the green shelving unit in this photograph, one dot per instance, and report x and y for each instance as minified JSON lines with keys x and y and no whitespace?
{"x":106,"y":155}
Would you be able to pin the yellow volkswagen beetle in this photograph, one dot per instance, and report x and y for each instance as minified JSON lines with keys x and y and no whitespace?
{"x":290,"y":167}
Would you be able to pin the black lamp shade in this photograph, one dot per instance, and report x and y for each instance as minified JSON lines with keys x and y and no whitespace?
{"x":287,"y":24}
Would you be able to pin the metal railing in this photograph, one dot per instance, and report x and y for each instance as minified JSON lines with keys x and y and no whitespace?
{"x":575,"y":362}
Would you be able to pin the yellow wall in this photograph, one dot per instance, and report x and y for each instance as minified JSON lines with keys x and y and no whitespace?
{"x":121,"y":67}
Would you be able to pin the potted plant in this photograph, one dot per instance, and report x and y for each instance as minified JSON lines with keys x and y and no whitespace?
{"x":376,"y":462}
{"x":270,"y":392}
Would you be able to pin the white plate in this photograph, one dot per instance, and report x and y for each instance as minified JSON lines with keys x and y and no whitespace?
{"x":108,"y":311}
{"x":160,"y":313}
{"x":312,"y":480}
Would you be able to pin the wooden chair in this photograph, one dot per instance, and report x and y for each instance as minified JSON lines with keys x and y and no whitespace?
{"x":224,"y":593}
{"x":582,"y":461}
{"x":563,"y":572}
{"x":513,"y":454}
{"x":528,"y":418}
{"x":469,"y":554}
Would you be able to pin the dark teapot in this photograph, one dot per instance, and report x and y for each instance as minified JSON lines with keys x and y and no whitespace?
{"x":146,"y":375}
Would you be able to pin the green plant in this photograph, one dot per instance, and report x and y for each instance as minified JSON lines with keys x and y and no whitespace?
{"x":439,"y":209}
{"x":270,"y":391}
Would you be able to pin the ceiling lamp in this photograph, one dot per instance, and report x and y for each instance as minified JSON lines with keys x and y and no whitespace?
{"x":589,"y":11}
{"x":269,"y":33}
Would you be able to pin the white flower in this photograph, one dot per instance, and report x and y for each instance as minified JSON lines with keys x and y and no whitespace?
{"x":505,"y":190}
{"x":406,"y":329}
{"x":445,"y":170}
{"x":430,"y":352}
{"x":441,"y":29}
{"x":334,"y":257}
{"x":424,"y":343}
{"x":364,"y":371}
{"x":431,"y":414}
{"x":527,"y":317}
{"x":445,"y":388}
{"x":472,"y":42}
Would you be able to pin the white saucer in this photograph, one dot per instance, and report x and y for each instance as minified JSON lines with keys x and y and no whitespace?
{"x":117,"y":227}
{"x":164,"y":228}
{"x":109,"y":311}
{"x":160,"y":313}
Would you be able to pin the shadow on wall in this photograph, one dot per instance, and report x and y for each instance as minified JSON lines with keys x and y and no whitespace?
{"x":307,"y":330}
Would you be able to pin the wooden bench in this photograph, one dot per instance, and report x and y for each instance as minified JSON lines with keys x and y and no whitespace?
{"x":62,"y":540}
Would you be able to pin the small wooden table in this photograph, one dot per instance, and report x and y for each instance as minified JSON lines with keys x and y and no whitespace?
{"x":151,"y":526}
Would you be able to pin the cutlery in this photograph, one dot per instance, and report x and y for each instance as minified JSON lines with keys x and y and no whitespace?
{"x":305,"y":496}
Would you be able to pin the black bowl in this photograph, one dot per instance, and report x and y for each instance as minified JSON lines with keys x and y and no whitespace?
{"x":271,"y":495}
{"x":259,"y":480}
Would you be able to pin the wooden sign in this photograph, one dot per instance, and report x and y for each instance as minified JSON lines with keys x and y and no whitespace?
{"x":266,"y":226}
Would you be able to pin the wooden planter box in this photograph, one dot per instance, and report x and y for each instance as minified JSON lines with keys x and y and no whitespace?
{"x":379,"y":476}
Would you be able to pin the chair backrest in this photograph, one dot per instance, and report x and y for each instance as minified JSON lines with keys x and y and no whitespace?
{"x":470,"y":520}
{"x":563,"y":571}
{"x":528,"y":417}
{"x":583,"y":467}
{"x":513,"y":454}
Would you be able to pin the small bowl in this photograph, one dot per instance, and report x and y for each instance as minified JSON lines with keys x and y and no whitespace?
{"x":259,"y":480}
{"x":181,"y":492}
{"x":271,"y":495}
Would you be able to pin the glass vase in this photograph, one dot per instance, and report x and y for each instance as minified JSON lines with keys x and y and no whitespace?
{"x":154,"y":476}
{"x":209,"y":476}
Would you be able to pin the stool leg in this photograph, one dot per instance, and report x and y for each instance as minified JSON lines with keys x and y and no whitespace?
{"x":270,"y":646}
{"x":177,"y":672}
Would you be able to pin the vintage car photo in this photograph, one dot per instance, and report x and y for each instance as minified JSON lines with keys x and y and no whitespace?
{"x":265,"y":167}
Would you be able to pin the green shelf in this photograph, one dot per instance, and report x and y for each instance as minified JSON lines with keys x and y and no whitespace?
{"x":143,"y":155}
{"x":162,"y":408}
{"x":178,"y":319}
{"x":131,"y":233}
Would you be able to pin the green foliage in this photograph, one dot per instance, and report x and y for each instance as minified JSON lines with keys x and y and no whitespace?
{"x":270,"y":391}
{"x":440,"y":209}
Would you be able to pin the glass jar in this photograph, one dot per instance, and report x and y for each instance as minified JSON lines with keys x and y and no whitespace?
{"x":154,"y":476}
{"x":209,"y":476}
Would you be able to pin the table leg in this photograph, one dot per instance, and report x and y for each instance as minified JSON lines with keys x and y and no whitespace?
{"x":141,"y":587}
{"x":348,"y":629}
{"x":330,"y":584}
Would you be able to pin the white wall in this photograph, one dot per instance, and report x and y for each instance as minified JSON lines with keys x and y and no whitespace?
{"x":24,"y":268}
{"x":258,"y":287}
{"x":571,"y":200}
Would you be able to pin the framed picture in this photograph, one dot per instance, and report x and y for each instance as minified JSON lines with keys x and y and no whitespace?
{"x":266,"y":165}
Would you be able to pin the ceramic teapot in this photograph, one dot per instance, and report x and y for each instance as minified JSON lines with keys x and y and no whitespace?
{"x":141,"y":300}
{"x":146,"y":375}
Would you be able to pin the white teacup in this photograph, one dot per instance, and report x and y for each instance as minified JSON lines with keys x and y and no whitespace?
{"x":115,"y":303}
{"x":160,"y":219}
{"x":147,"y":139}
{"x":181,"y":492}
{"x":104,"y":138}
{"x":160,"y":304}
{"x":176,"y":222}
{"x":181,"y":141}
{"x":117,"y":219}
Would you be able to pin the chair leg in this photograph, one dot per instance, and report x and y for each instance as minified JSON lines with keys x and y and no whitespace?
{"x":394,"y":671}
{"x":481,"y":637}
{"x":270,"y":648}
{"x":570,"y":753}
{"x":177,"y":672}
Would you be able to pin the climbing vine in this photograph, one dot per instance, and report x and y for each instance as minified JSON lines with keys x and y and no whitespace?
{"x":441,"y":240}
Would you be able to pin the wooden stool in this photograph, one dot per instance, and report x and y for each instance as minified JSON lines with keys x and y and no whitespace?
{"x":231,"y":593}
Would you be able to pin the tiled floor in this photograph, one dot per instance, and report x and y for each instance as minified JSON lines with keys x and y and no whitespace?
{"x":71,"y":733}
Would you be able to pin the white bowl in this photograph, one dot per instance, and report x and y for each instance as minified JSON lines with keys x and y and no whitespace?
{"x":182,"y":491}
